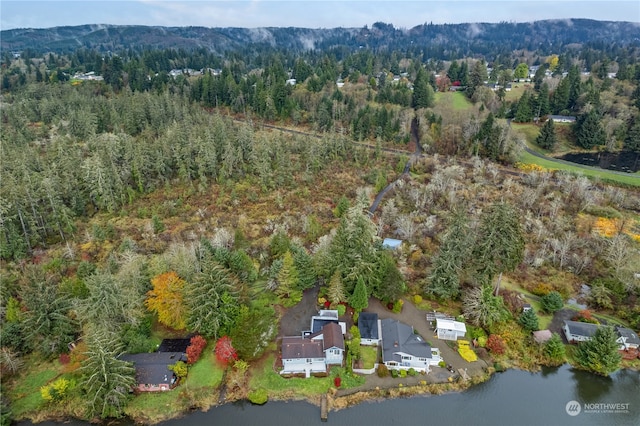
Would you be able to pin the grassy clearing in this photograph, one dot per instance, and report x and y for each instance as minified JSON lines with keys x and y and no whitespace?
{"x":630,"y":180}
{"x":369,"y":355}
{"x":24,"y":390}
{"x":295,"y":387}
{"x":530,"y":131}
{"x":456,"y":100}
{"x":152,"y":407}
{"x":206,"y":372}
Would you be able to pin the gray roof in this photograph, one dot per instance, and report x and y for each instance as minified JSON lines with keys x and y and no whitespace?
{"x":581,"y":328}
{"x":368,"y":325}
{"x":399,"y":337}
{"x":629,"y":335}
{"x":153,"y":368}
{"x":300,"y":347}
{"x":318,"y":323}
{"x":332,"y":336}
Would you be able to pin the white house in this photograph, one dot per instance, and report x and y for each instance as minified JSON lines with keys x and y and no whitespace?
{"x":369,"y":327}
{"x":313,"y":353}
{"x":402,"y":349}
{"x":576,"y":331}
{"x":450,"y":330}
{"x":627,"y":338}
{"x":562,"y":118}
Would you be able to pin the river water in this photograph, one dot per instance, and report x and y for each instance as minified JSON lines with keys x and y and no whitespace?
{"x":514,"y":398}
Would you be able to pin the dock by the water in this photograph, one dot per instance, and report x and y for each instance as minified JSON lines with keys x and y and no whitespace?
{"x":324,"y":408}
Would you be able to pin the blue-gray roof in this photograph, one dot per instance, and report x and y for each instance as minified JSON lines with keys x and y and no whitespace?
{"x":153,"y":368}
{"x":368,"y":325}
{"x":629,"y":335}
{"x":399,"y":337}
{"x":581,"y":328}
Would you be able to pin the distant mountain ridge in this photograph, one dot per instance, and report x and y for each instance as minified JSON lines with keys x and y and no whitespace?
{"x":466,"y":38}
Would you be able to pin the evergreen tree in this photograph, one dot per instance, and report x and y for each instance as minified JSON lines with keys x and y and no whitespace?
{"x":449,"y":262}
{"x":211,"y":300}
{"x":482,"y":308}
{"x":600,"y":354}
{"x":554,"y":349}
{"x":390,"y":284}
{"x":500,"y":242}
{"x":106,"y":379}
{"x":477,"y":77}
{"x":335,"y":292}
{"x":303,"y":263}
{"x":632,"y":141}
{"x":560,"y":97}
{"x":423,"y":96}
{"x":359,"y":300}
{"x":529,"y":320}
{"x":524,"y":114}
{"x":551,"y":302}
{"x":288,"y":278}
{"x":589,"y":131}
{"x":543,"y":107}
{"x":547,"y":138}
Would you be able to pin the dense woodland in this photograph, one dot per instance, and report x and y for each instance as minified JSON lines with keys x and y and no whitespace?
{"x":149,"y":200}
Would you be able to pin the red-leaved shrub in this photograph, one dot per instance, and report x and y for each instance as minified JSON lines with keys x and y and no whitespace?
{"x":195,"y":348}
{"x":225,"y":351}
{"x":495,"y":344}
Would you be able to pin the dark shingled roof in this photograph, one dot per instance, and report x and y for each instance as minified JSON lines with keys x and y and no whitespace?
{"x":152,"y":368}
{"x":332,"y":335}
{"x":631,"y":336}
{"x":399,"y":337}
{"x":318,"y":324}
{"x":581,"y":328}
{"x":299,"y":347}
{"x":174,"y":345}
{"x":368,"y":325}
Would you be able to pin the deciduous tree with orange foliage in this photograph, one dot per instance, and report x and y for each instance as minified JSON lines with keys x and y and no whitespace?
{"x":195,"y":348}
{"x":167,"y":300}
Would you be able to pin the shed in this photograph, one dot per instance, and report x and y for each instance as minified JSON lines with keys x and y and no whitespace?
{"x":450,"y":329}
{"x":391,"y":243}
{"x":541,"y":336}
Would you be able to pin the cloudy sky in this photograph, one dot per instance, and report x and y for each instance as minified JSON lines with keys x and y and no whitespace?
{"x":302,"y":13}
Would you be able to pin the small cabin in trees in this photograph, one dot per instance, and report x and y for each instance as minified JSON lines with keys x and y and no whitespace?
{"x":152,"y":370}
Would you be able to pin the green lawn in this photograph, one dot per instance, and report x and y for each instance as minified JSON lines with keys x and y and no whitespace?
{"x":631,"y":179}
{"x":206,"y":372}
{"x":457,"y":100}
{"x":276,"y":384}
{"x":25,"y":395}
{"x":369,"y":355}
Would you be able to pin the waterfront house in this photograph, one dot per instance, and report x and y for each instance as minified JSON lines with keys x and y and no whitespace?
{"x":576,"y":331}
{"x":313,"y":353}
{"x":152,"y":370}
{"x":627,"y":338}
{"x":403,"y":349}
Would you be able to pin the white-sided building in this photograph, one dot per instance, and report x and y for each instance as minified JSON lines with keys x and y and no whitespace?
{"x":449,"y":329}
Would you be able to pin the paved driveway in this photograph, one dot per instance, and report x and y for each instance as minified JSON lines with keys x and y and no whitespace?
{"x":417,"y":318}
